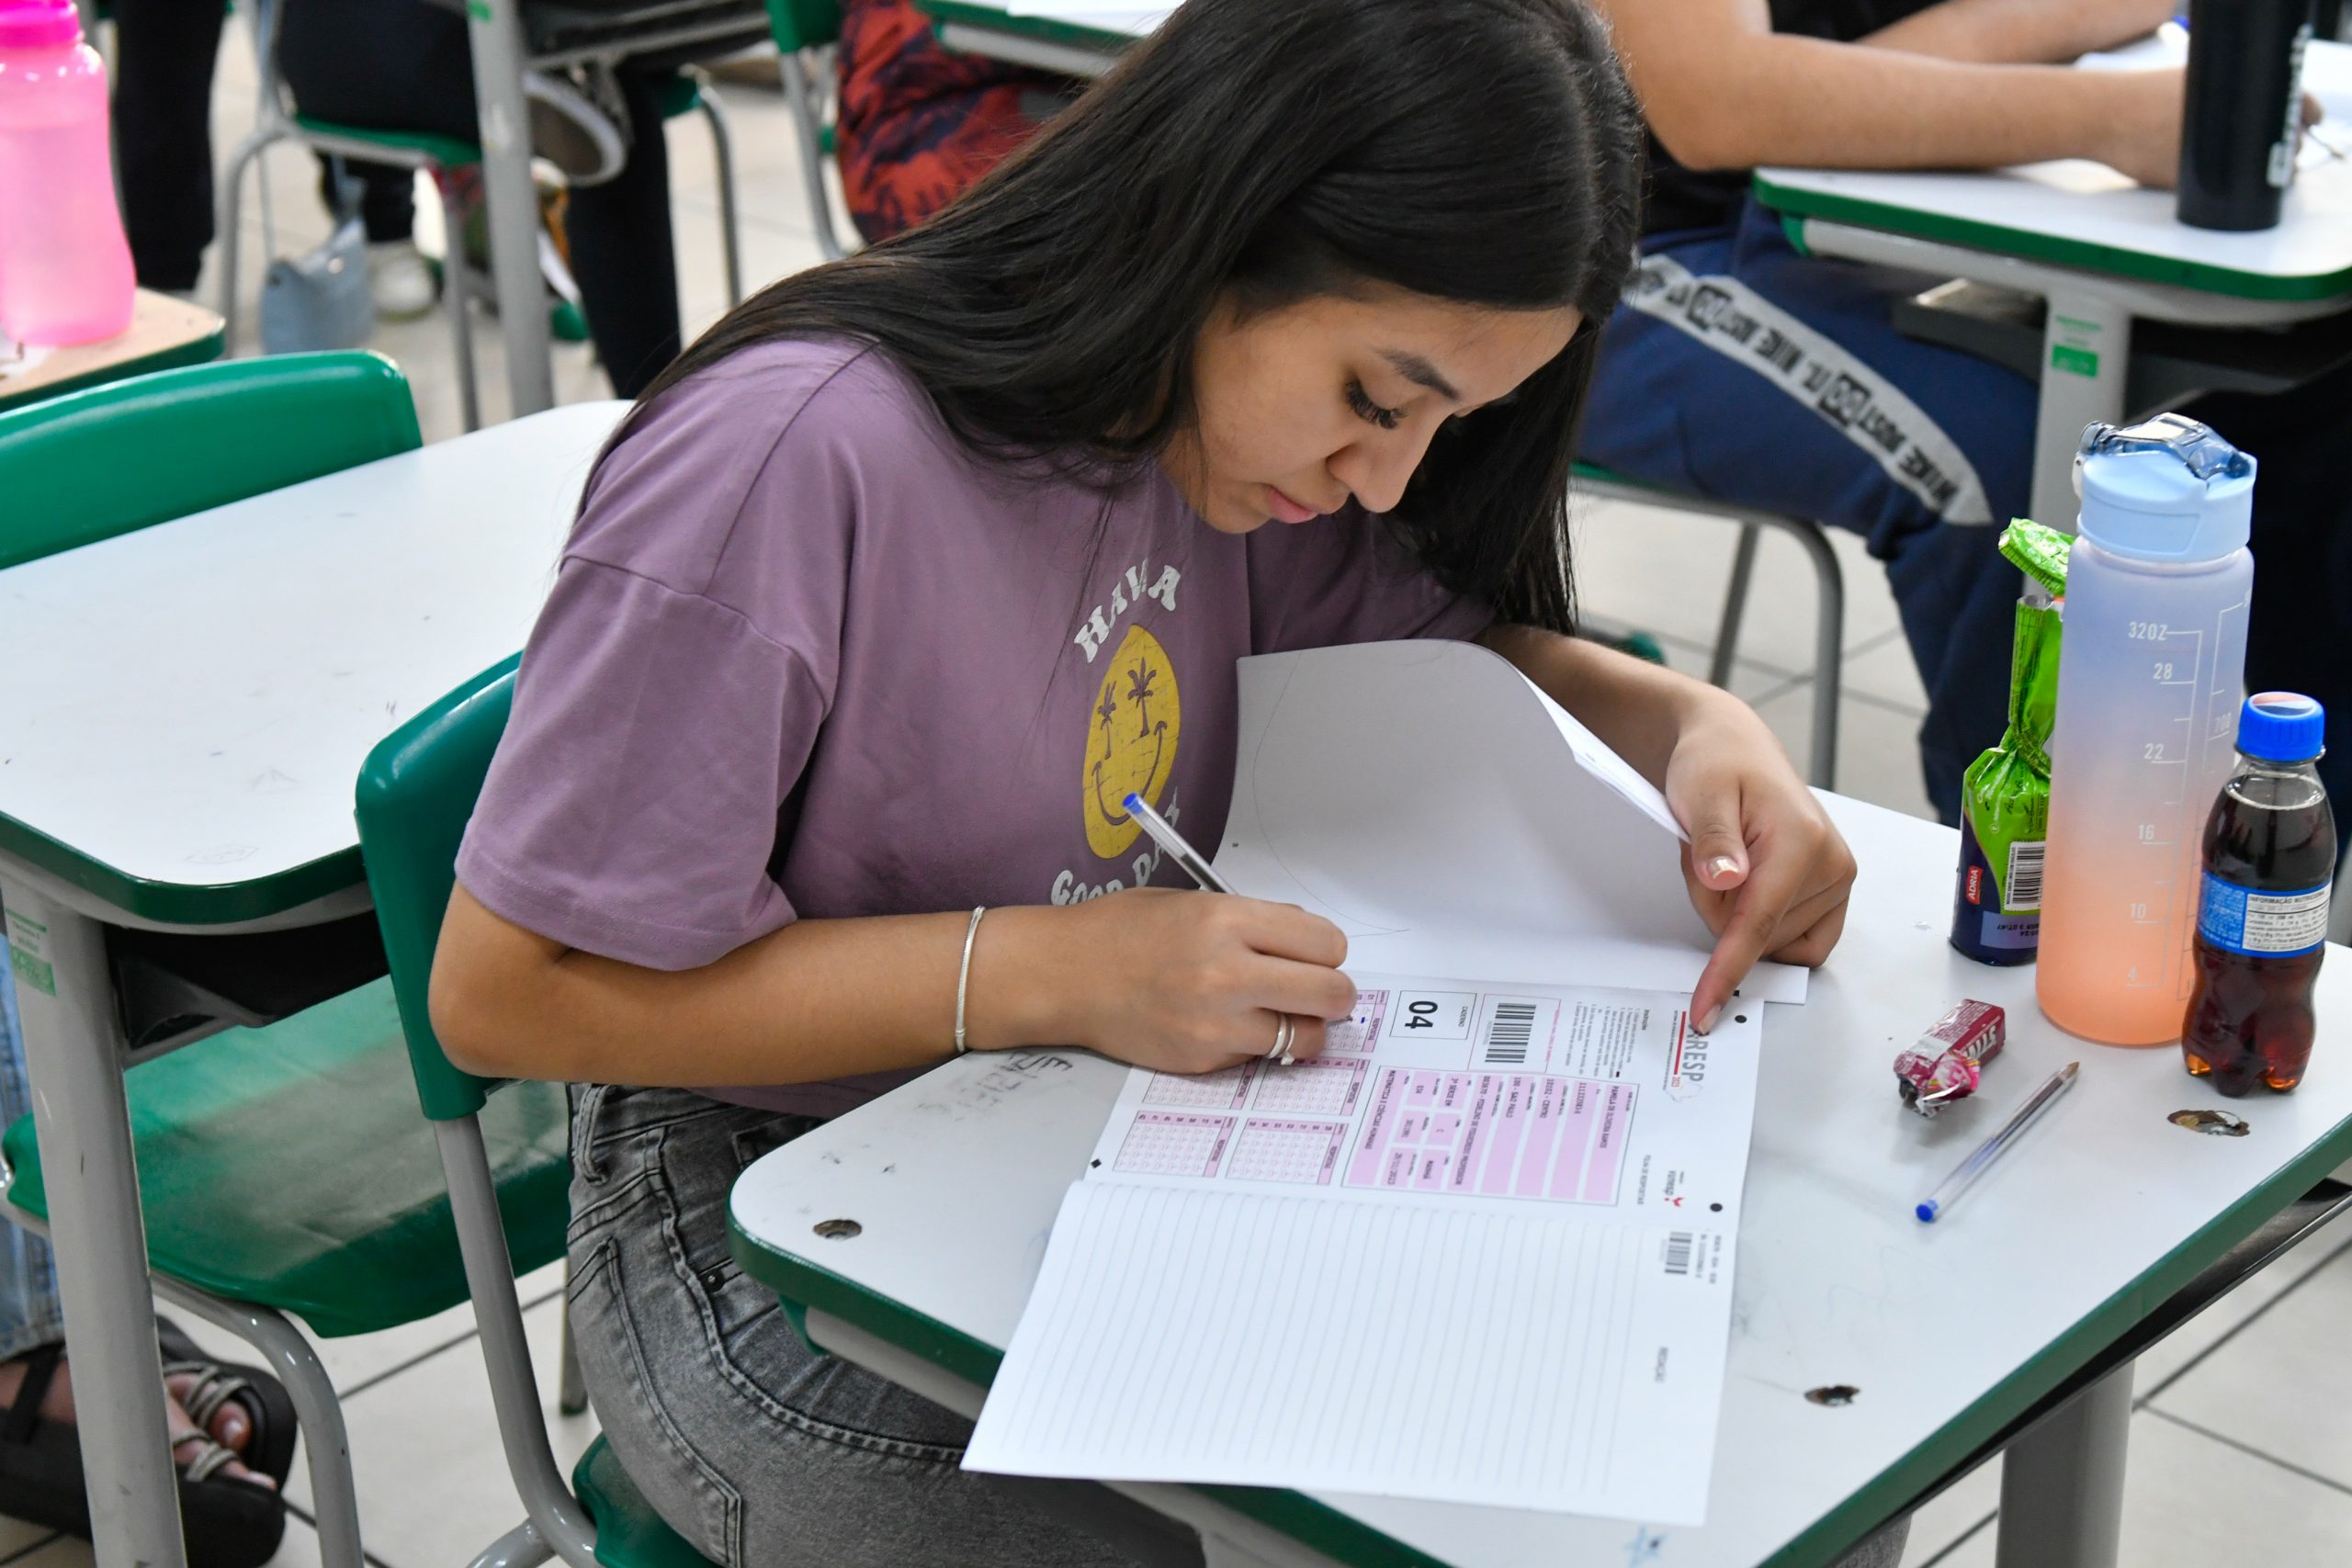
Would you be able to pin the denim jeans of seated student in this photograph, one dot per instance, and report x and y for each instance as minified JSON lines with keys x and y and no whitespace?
{"x":1742,"y":370}
{"x":756,"y":1449}
{"x":30,"y":1313}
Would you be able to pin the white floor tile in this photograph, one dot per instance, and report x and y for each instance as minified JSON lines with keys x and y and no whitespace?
{"x":2283,"y":1384}
{"x":2189,"y":1502}
{"x":1878,"y":748}
{"x":1667,"y":570}
{"x":17,"y":1536}
{"x":430,"y":1433}
{"x":1951,"y":1514}
{"x":2223,"y":1318}
{"x":1883,"y":668}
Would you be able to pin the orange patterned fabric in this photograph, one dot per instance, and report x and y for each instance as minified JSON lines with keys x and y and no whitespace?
{"x":920,"y":124}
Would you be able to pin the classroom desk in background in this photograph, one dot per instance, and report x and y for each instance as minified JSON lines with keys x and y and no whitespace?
{"x":2010,"y":1324}
{"x":2099,"y":253}
{"x":187,"y":709}
{"x":2091,"y":249}
{"x":164,"y":335}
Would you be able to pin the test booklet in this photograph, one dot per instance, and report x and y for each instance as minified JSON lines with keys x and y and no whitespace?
{"x":1482,"y":1249}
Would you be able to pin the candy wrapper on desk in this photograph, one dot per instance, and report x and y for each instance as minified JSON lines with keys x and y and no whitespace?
{"x":1946,"y":1062}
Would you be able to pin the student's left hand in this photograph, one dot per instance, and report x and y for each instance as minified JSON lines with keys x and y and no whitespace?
{"x":1766,"y":868}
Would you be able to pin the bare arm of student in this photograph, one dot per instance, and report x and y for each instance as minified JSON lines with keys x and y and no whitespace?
{"x":1724,"y":91}
{"x":1764,"y":867}
{"x":2022,"y":32}
{"x":1187,"y":982}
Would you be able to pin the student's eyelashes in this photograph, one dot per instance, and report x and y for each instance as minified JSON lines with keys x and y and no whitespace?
{"x":1368,"y":410}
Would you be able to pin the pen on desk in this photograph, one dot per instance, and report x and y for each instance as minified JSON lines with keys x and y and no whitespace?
{"x":1163,"y":833}
{"x":1948,"y":1191}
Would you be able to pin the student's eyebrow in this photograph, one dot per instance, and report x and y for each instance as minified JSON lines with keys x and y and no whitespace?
{"x":1420,"y":372}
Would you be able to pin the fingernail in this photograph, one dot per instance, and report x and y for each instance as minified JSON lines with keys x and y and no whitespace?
{"x":1721,"y":867}
{"x":1707,"y":1024}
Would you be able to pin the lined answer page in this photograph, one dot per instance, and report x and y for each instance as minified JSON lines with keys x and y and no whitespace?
{"x":1534,"y":1359}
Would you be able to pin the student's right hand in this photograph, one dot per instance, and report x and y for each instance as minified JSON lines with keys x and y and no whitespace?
{"x":2143,"y":138}
{"x":1188,"y":982}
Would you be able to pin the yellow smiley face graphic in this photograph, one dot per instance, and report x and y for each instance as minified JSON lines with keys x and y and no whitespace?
{"x":1130,"y":740}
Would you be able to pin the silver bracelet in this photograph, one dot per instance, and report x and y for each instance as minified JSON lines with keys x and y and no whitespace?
{"x":963,"y":976}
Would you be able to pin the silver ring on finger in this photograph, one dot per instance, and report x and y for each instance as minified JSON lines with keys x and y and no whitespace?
{"x":1285,"y":1030}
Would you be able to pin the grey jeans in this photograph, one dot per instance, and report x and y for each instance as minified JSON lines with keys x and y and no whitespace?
{"x":755,"y":1448}
{"x":759,"y":1450}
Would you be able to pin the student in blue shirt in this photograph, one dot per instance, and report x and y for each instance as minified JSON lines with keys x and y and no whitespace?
{"x":1740,"y":370}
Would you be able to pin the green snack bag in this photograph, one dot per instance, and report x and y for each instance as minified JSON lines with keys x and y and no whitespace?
{"x":2005,"y":797}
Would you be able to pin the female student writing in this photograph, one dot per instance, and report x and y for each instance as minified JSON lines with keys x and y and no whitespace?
{"x":899,"y":581}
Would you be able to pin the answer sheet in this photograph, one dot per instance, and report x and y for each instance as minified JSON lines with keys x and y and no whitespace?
{"x":1480,"y":1250}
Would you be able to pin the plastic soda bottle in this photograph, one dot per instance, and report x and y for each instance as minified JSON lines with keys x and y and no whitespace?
{"x":2262,"y":916}
{"x":64,"y":267}
{"x":2157,"y":586}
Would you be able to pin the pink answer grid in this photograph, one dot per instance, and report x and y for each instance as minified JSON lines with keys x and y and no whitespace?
{"x":1355,"y":1034}
{"x":1314,"y":1088}
{"x":1166,"y":1143}
{"x":1224,"y":1090}
{"x":1302,"y":1152}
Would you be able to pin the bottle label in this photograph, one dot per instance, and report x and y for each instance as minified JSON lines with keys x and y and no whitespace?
{"x":2261,"y":925}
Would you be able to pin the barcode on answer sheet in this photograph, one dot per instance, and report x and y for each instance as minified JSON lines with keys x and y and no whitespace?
{"x":1508,"y":1034}
{"x":2021,"y":889}
{"x":1678,"y":1251}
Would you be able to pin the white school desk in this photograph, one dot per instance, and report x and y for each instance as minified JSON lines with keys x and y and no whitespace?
{"x":184,"y":711}
{"x":2099,"y":249}
{"x":1949,"y":1333}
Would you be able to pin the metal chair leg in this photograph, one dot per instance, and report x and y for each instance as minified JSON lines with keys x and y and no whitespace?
{"x":456,"y":296}
{"x":572,"y":1388}
{"x":1829,"y":644}
{"x":519,"y":1547}
{"x":809,"y":127}
{"x":1742,"y":568}
{"x":1828,"y":653}
{"x":320,"y":1414}
{"x":722,"y":147}
{"x":231,"y":186}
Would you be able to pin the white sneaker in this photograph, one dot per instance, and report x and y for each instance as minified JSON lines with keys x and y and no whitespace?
{"x":399,"y":280}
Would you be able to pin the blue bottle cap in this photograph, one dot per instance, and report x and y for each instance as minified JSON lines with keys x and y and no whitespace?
{"x":2166,"y":489}
{"x":2283,"y":727}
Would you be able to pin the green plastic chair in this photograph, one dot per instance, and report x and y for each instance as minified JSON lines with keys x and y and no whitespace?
{"x":275,"y":121}
{"x":804,"y":32}
{"x":282,"y":1169}
{"x":90,"y":464}
{"x":415,"y":794}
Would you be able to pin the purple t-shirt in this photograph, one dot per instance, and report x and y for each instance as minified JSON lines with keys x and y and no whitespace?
{"x":809,"y":658}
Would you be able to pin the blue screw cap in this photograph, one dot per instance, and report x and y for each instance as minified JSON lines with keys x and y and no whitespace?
{"x":2283,"y":727}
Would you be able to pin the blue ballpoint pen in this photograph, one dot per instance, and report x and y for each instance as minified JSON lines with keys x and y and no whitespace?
{"x":1163,"y":833}
{"x":1948,"y":1191}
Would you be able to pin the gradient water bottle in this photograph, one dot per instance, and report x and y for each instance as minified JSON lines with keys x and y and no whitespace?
{"x":2157,"y":587}
{"x":65,"y":269}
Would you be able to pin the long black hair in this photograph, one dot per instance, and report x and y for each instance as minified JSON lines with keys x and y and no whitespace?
{"x":1482,"y":152}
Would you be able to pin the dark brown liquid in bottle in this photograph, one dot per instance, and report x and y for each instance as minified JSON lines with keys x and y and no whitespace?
{"x":2250,"y":1019}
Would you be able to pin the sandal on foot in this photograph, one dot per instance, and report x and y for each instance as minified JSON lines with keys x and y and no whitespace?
{"x":228,"y":1521}
{"x":269,"y":1410}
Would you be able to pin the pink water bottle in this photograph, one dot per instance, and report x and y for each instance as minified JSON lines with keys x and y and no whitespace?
{"x":64,"y":267}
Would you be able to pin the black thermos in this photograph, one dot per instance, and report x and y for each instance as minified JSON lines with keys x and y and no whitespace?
{"x":2243,"y":120}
